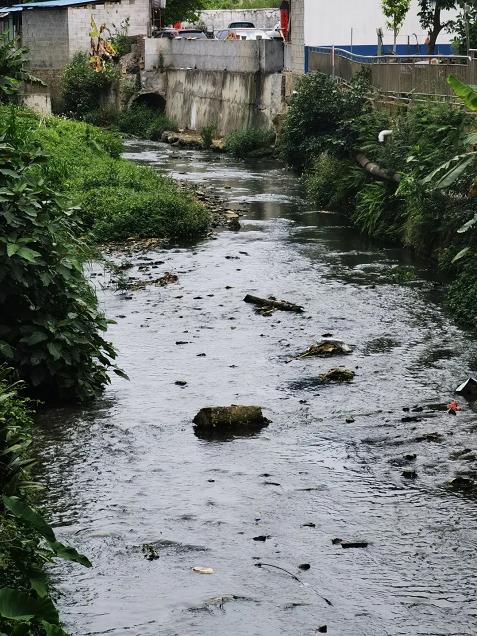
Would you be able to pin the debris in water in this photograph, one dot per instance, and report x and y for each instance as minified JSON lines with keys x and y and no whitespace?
{"x":277,"y":567}
{"x":323,"y":629}
{"x":325,"y":349}
{"x":180,"y":382}
{"x":350,"y":420}
{"x":350,"y":544}
{"x":462,"y":484}
{"x":202,"y":570}
{"x":339,"y":374}
{"x":222,"y":422}
{"x":453,"y":407}
{"x":150,"y":553}
{"x":309,"y":525}
{"x":409,"y":474}
{"x":304,"y":566}
{"x":468,"y":389}
{"x":262,"y":537}
{"x":271,"y":304}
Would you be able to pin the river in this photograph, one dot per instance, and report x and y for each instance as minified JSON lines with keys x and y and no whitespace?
{"x":128,"y":470}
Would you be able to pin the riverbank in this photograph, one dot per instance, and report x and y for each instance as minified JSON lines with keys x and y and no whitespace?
{"x":386,"y":188}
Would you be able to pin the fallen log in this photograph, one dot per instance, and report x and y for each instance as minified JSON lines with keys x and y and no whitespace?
{"x":325,"y":349}
{"x":376,"y":170}
{"x":272,"y":303}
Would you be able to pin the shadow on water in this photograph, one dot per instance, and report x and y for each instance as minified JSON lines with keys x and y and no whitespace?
{"x":366,"y":461}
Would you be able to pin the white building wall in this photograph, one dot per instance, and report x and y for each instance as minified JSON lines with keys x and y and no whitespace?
{"x":346,"y":22}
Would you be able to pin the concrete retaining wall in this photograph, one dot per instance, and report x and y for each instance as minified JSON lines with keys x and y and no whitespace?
{"x":261,"y":18}
{"x":229,"y":100}
{"x":214,"y":55}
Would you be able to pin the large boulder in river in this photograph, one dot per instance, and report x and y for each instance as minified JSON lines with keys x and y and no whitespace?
{"x":222,"y":422}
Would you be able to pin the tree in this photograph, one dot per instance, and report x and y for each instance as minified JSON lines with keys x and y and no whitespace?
{"x":395,"y":12}
{"x":182,"y":10}
{"x":430,"y":16}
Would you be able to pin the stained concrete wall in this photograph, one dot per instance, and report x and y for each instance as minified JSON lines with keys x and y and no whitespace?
{"x":239,"y":56}
{"x":261,"y":18}
{"x":297,"y":36}
{"x":229,"y":100}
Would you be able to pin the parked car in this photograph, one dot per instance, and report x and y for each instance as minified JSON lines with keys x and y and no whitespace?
{"x":241,"y":25}
{"x":276,"y":32}
{"x":181,"y":34}
{"x":242,"y":34}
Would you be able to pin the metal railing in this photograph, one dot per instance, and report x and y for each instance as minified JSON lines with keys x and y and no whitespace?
{"x":387,"y":59}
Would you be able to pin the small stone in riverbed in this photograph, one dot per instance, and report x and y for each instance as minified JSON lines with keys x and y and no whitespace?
{"x":223,"y":422}
{"x":262,"y":537}
{"x":409,"y":474}
{"x":337,"y":375}
{"x":309,"y":525}
{"x":323,"y":629}
{"x":350,"y":420}
{"x":180,"y":382}
{"x":304,"y":566}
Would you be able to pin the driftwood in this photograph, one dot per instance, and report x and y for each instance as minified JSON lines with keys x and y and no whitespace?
{"x":272,"y":303}
{"x":376,"y":170}
{"x":325,"y":349}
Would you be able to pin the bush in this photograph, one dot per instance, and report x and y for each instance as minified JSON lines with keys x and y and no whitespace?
{"x":27,"y":541}
{"x":83,"y":89}
{"x":242,"y":142}
{"x":319,"y":119}
{"x":51,"y":326}
{"x":207,"y":133}
{"x":144,"y":122}
{"x":378,"y":210}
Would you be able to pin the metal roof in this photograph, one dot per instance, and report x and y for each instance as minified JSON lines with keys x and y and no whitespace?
{"x":48,"y":4}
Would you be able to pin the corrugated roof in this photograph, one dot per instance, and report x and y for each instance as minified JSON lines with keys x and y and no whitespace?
{"x":48,"y":4}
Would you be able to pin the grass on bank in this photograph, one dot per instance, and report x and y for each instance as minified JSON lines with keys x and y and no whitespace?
{"x":118,"y":198}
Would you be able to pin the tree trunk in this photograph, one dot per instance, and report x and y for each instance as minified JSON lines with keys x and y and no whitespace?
{"x":434,"y":32}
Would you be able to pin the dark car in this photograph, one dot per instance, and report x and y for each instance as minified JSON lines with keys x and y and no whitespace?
{"x":181,"y":34}
{"x":241,"y":25}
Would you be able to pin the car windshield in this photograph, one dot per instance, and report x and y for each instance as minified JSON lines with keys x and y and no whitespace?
{"x":191,"y":34}
{"x":241,"y":25}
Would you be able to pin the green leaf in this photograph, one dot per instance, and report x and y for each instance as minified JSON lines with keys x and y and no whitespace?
{"x":53,"y":630}
{"x":12,"y":248}
{"x":19,"y":606}
{"x":468,"y":225}
{"x":38,"y":581}
{"x":6,"y":350}
{"x":121,"y":374}
{"x":68,"y":553}
{"x":461,"y":254}
{"x":28,"y":254}
{"x":33,"y":519}
{"x":466,"y":92}
{"x":35,"y":338}
{"x":54,"y":349}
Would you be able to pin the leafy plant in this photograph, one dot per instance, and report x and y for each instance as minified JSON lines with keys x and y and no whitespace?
{"x":83,"y":89}
{"x":119,"y":38}
{"x":243,"y":142}
{"x":13,"y":65}
{"x":50,"y":327}
{"x":145,"y":122}
{"x":207,"y":133}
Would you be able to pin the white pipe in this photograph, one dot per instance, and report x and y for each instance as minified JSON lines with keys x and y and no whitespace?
{"x":383,"y":135}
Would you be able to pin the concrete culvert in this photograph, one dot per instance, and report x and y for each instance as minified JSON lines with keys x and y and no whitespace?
{"x":152,"y":100}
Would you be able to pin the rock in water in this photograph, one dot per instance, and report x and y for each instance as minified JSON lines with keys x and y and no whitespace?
{"x":326,"y":349}
{"x":468,"y":389}
{"x":337,"y":375}
{"x":222,"y":422}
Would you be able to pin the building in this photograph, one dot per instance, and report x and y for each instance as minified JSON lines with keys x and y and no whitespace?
{"x":353,"y":25}
{"x":54,"y":30}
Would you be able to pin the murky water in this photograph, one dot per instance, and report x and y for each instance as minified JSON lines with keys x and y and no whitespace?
{"x":129,"y":470}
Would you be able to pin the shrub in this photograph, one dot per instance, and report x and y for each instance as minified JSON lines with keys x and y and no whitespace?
{"x":377,"y":210}
{"x":207,"y":133}
{"x":51,"y":326}
{"x":145,"y":122}
{"x":242,"y":142}
{"x":83,"y":89}
{"x":319,"y":119}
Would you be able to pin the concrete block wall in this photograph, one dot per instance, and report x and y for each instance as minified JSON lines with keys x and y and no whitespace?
{"x":45,"y":35}
{"x":241,"y":56}
{"x":297,"y":36}
{"x":109,"y":13}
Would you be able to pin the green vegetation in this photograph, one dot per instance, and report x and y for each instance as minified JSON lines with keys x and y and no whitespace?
{"x":424,"y":194}
{"x":144,"y":122}
{"x":241,"y":4}
{"x":207,"y":133}
{"x":243,"y":143}
{"x":83,"y":89}
{"x":28,"y":542}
